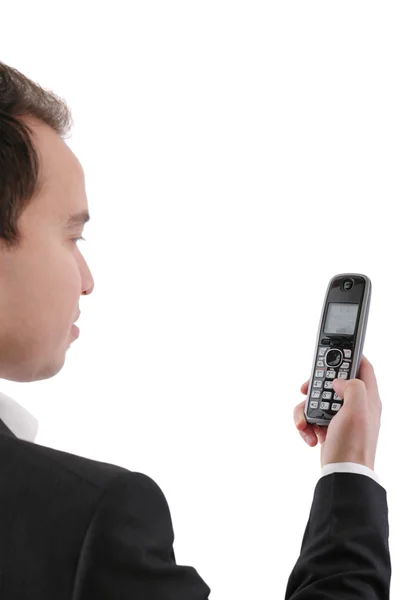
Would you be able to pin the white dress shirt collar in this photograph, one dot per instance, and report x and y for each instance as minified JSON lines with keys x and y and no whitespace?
{"x":17,"y":420}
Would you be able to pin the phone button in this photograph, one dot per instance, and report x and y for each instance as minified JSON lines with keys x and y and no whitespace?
{"x":315,"y":394}
{"x":331,"y":374}
{"x":322,"y":351}
{"x":327,"y":395}
{"x":342,"y":375}
{"x":324,"y":405}
{"x":319,"y":373}
{"x":347,"y":284}
{"x":317,"y":384}
{"x":336,"y":406}
{"x":347,"y":353}
{"x":313,"y":404}
{"x":334,"y":357}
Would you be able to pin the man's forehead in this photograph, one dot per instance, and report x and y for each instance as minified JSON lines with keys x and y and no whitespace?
{"x":73,"y":165}
{"x":79,"y":169}
{"x":71,"y":203}
{"x":60,"y":167}
{"x":78,"y":216}
{"x":70,"y":171}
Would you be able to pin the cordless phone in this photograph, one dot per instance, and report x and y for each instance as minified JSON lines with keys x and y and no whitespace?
{"x":340,"y":343}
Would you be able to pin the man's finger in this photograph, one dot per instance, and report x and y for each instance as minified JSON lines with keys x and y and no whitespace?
{"x":304,"y":387}
{"x":367,"y":374}
{"x":307,"y":429}
{"x":300,"y":420}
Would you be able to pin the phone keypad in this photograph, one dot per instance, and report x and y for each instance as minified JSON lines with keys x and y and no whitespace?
{"x":323,"y":379}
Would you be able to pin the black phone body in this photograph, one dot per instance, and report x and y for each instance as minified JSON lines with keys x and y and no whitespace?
{"x":340,"y":342}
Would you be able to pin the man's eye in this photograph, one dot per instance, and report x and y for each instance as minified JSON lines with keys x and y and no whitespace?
{"x":79,"y":239}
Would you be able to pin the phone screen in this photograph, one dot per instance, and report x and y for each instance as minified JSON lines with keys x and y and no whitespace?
{"x":341,"y":318}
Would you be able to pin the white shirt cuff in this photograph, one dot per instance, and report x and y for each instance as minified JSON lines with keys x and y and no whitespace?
{"x":348,"y":467}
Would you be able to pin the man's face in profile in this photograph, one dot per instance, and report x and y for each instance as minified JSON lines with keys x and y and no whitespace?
{"x":42,"y":281}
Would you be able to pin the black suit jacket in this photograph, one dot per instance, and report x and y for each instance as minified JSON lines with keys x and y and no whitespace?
{"x":78,"y":529}
{"x":345,"y":549}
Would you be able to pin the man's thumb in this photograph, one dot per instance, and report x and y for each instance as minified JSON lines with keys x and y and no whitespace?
{"x":340,"y":387}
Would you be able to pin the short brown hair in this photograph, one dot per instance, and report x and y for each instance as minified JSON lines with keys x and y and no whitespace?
{"x":20,"y":180}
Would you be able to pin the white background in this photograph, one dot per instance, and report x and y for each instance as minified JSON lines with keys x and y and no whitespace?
{"x":237,"y":156}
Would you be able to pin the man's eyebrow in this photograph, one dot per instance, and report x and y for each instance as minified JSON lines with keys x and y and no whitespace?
{"x":78,"y":219}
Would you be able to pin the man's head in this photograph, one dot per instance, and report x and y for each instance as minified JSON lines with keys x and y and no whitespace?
{"x":42,"y":271}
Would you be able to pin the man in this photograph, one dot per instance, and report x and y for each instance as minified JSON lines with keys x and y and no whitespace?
{"x":74,"y":528}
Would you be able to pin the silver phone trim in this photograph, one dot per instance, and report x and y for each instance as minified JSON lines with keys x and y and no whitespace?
{"x":359,"y":345}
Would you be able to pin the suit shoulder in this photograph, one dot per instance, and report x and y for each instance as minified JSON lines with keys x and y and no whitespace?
{"x":128,"y":548}
{"x":133,"y":498}
{"x":132,"y":487}
{"x":132,"y":510}
{"x":45,"y":460}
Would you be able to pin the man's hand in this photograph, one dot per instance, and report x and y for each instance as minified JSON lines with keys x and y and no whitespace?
{"x":352,"y":434}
